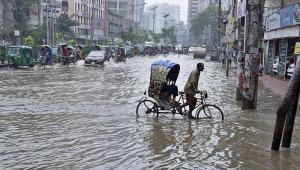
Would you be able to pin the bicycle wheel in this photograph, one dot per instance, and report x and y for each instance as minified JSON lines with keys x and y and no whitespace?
{"x":210,"y":111}
{"x":146,"y":107}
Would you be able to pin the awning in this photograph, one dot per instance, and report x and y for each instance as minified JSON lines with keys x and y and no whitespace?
{"x":288,"y":32}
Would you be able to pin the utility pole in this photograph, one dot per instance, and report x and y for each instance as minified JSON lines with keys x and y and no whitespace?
{"x":252,"y":58}
{"x":219,"y":29}
{"x":153,"y":18}
{"x":166,"y":20}
{"x":106,"y":18}
{"x":92,"y":20}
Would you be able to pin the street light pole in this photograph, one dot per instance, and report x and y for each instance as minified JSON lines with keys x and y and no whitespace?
{"x":219,"y":29}
{"x":153,"y":9}
{"x":166,"y":19}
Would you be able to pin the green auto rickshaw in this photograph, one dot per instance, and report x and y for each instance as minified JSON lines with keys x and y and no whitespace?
{"x":3,"y":53}
{"x":20,"y":56}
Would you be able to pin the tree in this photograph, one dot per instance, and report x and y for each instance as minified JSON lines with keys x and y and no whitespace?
{"x":64,"y":24}
{"x":38,"y":34}
{"x":21,"y":12}
{"x":3,"y":34}
{"x":156,"y":37}
{"x":134,"y":37}
{"x":72,"y":42}
{"x":28,"y":41}
{"x":205,"y":27}
{"x":168,"y":34}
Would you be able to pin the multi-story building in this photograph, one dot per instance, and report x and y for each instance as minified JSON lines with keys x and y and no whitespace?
{"x":6,"y":17}
{"x":89,"y":15}
{"x":116,"y":23}
{"x":123,"y":8}
{"x":282,"y":28}
{"x":140,"y":13}
{"x":181,"y":32}
{"x":164,"y":16}
{"x":194,"y":8}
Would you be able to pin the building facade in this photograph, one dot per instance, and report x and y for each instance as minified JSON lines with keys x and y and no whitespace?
{"x":194,"y":8}
{"x":164,"y":16}
{"x":282,"y":28}
{"x":89,"y":14}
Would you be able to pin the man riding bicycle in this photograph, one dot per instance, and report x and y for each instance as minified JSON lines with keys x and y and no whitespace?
{"x":191,"y":88}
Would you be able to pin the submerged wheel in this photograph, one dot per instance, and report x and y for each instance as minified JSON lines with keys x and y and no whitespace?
{"x":146,"y":107}
{"x":210,"y":111}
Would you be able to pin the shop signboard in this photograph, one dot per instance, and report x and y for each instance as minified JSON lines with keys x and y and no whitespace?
{"x":286,"y":16}
{"x":270,"y":57}
{"x":241,"y":11}
{"x":282,"y":57}
{"x":273,"y":21}
{"x":297,"y":48}
{"x":296,"y":15}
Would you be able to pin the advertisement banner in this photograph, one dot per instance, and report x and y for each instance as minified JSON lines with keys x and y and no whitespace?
{"x":297,"y":48}
{"x":296,"y":15}
{"x":273,"y":21}
{"x":270,"y":58}
{"x":286,"y":16}
{"x":282,"y":57}
{"x":251,"y":73}
{"x":241,"y":11}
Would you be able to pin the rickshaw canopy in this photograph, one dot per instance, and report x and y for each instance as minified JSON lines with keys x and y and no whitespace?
{"x":71,"y":48}
{"x":46,"y":46}
{"x":162,"y":71}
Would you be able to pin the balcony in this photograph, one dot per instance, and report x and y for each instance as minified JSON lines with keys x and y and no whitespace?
{"x":81,"y":13}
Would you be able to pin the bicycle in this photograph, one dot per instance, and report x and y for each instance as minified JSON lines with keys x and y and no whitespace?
{"x":204,"y":110}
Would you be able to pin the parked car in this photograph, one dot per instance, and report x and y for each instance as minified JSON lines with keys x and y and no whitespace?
{"x":291,"y":69}
{"x":95,"y":58}
{"x":275,"y":65}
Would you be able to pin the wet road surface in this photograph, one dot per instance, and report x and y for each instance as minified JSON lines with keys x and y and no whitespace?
{"x":84,"y":118}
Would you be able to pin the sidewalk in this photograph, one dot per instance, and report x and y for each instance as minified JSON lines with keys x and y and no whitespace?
{"x":276,"y":85}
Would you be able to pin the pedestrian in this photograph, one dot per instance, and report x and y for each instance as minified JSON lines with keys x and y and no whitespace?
{"x":191,"y":89}
{"x":261,"y":69}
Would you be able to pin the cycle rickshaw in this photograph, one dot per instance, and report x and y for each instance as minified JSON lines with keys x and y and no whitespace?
{"x":165,"y":71}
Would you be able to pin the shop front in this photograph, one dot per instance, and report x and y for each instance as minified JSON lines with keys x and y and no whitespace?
{"x":280,"y":38}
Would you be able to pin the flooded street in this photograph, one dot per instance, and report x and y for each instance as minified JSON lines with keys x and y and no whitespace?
{"x":84,"y":118}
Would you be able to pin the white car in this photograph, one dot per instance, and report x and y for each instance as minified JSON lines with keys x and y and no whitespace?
{"x":291,"y":69}
{"x":95,"y":57}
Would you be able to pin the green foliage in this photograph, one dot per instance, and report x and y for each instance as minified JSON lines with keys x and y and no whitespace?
{"x":38,"y":34}
{"x":64,"y":24}
{"x":206,"y":25}
{"x":106,"y":42}
{"x":209,"y":17}
{"x":58,"y":37}
{"x":21,"y":12}
{"x":3,"y":34}
{"x":72,"y":42}
{"x":168,"y":34}
{"x":156,"y":38}
{"x":28,"y":41}
{"x":135,"y":37}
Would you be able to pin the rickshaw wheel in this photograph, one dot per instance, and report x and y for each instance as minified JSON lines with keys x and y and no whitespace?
{"x":146,"y":107}
{"x":209,"y":111}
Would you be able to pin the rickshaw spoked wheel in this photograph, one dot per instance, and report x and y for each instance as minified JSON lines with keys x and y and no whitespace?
{"x":146,"y":107}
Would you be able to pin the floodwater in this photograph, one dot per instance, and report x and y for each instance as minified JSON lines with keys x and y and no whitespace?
{"x":84,"y":118}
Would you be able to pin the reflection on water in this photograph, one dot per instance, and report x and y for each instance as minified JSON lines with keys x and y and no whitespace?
{"x":84,"y":118}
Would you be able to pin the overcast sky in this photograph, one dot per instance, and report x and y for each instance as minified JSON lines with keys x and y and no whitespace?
{"x":183,"y":6}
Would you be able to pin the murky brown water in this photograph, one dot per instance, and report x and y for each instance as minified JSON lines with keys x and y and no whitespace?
{"x":84,"y":118}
